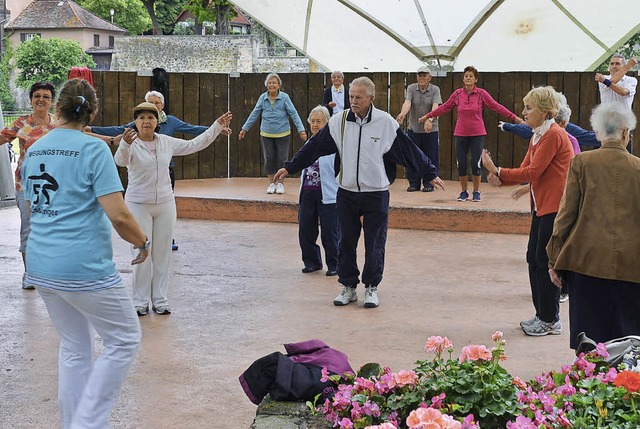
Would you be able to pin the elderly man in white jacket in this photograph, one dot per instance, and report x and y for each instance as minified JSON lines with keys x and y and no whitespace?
{"x":369,"y":143}
{"x":147,"y":154}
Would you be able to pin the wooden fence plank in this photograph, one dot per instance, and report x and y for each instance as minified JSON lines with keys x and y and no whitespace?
{"x":205,"y":157}
{"x":396,"y":100}
{"x":522,"y":86}
{"x":448,"y":170}
{"x":221,"y":100}
{"x":190,"y":100}
{"x":127,"y":99}
{"x":177,"y":110}
{"x":300,"y":95}
{"x":236,"y":106}
{"x":506,"y":97}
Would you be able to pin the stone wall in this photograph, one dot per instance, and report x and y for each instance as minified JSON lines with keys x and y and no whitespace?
{"x":287,"y":415}
{"x":201,"y":54}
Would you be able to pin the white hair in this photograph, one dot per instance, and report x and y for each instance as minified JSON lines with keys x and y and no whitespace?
{"x":154,"y":94}
{"x":271,"y":76}
{"x":365,"y":82}
{"x":319,"y":110}
{"x":609,"y":120}
{"x":337,"y":73}
{"x":564,"y":114}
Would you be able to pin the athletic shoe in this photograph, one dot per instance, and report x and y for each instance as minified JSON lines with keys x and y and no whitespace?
{"x":428,"y":188}
{"x":25,"y":285}
{"x":528,"y":322}
{"x":279,"y":189}
{"x":347,"y":296}
{"x":162,"y":309}
{"x":564,"y":297}
{"x":174,"y":246}
{"x":271,"y":189}
{"x":142,"y":311}
{"x":371,"y":297}
{"x":476,"y":197}
{"x":540,"y":328}
{"x":413,"y":188}
{"x":464,"y":196}
{"x":307,"y":270}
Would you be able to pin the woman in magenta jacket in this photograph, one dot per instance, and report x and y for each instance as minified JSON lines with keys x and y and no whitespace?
{"x":470,"y":132}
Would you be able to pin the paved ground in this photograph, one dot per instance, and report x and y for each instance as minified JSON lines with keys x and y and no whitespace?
{"x":238,"y":294}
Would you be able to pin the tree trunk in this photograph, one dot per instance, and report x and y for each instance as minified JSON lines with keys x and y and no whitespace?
{"x":223,"y":23}
{"x":149,"y":4}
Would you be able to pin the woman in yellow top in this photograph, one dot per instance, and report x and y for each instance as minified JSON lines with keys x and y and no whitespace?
{"x":276,"y":108}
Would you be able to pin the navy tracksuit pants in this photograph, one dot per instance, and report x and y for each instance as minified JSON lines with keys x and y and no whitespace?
{"x":428,"y":144}
{"x":311,"y":209}
{"x":373,"y":208}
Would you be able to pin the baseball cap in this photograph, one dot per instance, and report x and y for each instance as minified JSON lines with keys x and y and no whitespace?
{"x":424,"y":69}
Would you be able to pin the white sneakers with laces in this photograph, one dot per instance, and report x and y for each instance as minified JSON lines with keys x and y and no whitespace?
{"x":279,"y":188}
{"x":272,"y":188}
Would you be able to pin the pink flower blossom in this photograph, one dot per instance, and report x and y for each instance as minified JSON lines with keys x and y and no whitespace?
{"x":345,"y":423}
{"x":517,"y":381}
{"x":474,"y":353}
{"x":437,"y":401}
{"x":449,"y":422}
{"x":522,"y":422}
{"x":382,"y":426}
{"x":405,"y":378}
{"x":609,"y":377}
{"x":325,"y":375}
{"x":425,"y":418}
{"x":601,"y":350}
{"x":437,"y":344}
{"x":497,"y":336}
{"x":469,"y":423}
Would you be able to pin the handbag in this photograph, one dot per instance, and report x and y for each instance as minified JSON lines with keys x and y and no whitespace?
{"x":624,"y":350}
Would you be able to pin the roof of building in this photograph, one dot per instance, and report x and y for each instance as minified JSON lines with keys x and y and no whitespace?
{"x":59,"y":14}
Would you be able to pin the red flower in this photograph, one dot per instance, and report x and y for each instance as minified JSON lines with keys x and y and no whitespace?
{"x":629,"y":380}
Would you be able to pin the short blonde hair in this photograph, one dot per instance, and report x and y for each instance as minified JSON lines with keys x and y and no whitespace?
{"x":545,"y":98}
{"x":319,"y":110}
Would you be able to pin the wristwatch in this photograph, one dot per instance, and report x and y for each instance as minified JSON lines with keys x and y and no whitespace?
{"x":145,"y":246}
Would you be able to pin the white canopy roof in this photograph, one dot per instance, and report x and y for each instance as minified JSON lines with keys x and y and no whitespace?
{"x":492,"y":35}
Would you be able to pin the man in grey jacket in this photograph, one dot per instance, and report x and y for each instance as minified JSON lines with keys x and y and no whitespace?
{"x":368,"y":143}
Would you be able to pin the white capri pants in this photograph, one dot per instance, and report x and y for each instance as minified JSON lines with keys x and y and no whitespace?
{"x":87,"y":390}
{"x":151,"y":278}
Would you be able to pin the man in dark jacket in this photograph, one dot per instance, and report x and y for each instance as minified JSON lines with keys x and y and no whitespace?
{"x":336,"y":97}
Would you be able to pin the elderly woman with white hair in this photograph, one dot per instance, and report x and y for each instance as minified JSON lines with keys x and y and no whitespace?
{"x":276,"y":108}
{"x":594,"y":245}
{"x":317,"y":202}
{"x":545,"y":167}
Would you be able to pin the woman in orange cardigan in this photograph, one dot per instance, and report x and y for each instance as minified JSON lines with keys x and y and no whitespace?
{"x":545,"y":167}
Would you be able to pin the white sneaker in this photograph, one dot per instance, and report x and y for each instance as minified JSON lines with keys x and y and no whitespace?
{"x":279,"y":188}
{"x":371,"y":297}
{"x":272,"y":188}
{"x":347,"y":296}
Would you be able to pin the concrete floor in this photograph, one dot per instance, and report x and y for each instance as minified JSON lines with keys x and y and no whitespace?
{"x":237,"y":294}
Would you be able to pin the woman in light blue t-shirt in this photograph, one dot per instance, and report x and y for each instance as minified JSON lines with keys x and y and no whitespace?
{"x":74,"y":194}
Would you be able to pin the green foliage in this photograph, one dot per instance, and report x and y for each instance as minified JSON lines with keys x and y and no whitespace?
{"x":128,"y":14}
{"x":49,"y":60}
{"x":8,"y":103}
{"x":167,"y":11}
{"x":219,"y":11}
{"x":628,"y":50}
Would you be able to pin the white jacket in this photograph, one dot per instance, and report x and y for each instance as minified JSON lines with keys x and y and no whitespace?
{"x":149,"y":181}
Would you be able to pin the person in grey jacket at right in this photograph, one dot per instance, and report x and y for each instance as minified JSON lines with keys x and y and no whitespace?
{"x":368,"y":142}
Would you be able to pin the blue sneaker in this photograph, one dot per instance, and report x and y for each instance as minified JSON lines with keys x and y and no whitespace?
{"x":174,"y":246}
{"x":476,"y":197}
{"x":464,"y":196}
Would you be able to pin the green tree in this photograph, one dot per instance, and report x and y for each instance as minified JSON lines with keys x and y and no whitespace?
{"x":48,"y":60}
{"x":167,"y":11}
{"x":8,"y":103}
{"x":128,"y":14}
{"x":219,"y":11}
{"x":150,"y":5}
{"x":628,"y":50}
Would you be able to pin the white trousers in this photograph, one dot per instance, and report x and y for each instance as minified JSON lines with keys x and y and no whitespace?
{"x":87,"y":390}
{"x":151,"y":278}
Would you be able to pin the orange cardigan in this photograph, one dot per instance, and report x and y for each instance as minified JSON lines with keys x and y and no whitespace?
{"x":545,"y":167}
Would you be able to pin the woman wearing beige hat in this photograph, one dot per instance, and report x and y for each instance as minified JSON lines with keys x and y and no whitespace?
{"x":147,"y":154}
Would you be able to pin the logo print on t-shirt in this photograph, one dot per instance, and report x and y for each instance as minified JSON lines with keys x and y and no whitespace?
{"x":43,"y":189}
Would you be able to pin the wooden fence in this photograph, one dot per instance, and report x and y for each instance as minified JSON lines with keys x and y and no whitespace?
{"x":199,"y":98}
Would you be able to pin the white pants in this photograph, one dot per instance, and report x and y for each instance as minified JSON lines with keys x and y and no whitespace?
{"x":87,"y":390}
{"x":151,"y":278}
